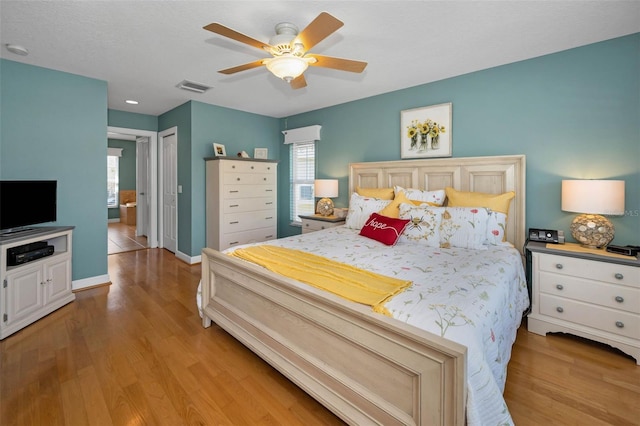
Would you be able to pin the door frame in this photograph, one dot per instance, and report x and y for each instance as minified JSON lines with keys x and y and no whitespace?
{"x":152,"y":238}
{"x":160,"y":190}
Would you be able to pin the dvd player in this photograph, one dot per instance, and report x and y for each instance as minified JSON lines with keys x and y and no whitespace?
{"x":29,"y":256}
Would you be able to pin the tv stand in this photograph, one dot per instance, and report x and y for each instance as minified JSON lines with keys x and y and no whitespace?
{"x":32,"y":290}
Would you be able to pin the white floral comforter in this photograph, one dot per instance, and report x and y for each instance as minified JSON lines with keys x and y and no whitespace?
{"x":473,"y":297}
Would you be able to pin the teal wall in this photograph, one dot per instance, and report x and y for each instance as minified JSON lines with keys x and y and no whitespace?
{"x":199,"y":125}
{"x":127,"y":169}
{"x":574,"y":114}
{"x":132,"y":120}
{"x":54,"y":126}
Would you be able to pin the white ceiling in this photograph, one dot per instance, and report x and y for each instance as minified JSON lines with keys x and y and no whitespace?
{"x":143,"y":48}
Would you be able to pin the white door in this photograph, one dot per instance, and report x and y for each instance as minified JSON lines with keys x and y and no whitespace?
{"x":142,"y":186}
{"x":169,"y":189}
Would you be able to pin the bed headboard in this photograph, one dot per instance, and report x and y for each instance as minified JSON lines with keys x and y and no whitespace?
{"x":493,"y":175}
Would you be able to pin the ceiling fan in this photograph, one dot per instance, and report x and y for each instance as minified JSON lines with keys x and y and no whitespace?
{"x":290,"y":50}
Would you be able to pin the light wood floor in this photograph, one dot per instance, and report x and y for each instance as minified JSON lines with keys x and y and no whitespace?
{"x":135,"y":353}
{"x":123,"y":238}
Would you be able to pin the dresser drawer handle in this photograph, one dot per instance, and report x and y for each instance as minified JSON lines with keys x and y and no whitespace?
{"x":559,"y":266}
{"x":619,"y":324}
{"x":233,"y":243}
{"x":268,"y":203}
{"x":269,"y":236}
{"x":233,"y":223}
{"x":560,"y":309}
{"x":264,"y":179}
{"x":251,"y":167}
{"x":238,"y":179}
{"x":322,"y":227}
{"x":306,"y":224}
{"x":233,"y":192}
{"x":559,"y":286}
{"x":619,"y":276}
{"x":269,"y":217}
{"x":619,"y":299}
{"x":233,"y":205}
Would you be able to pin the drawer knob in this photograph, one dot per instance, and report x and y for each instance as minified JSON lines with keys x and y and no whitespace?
{"x":322,"y":227}
{"x":238,"y":179}
{"x":306,"y":224}
{"x":560,"y":309}
{"x":619,"y":324}
{"x":619,"y":276}
{"x":619,"y":299}
{"x":251,"y":167}
{"x":559,"y":286}
{"x":558,"y":265}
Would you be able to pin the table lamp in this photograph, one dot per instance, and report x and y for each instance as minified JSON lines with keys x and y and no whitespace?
{"x":593,"y":198}
{"x":325,"y":189}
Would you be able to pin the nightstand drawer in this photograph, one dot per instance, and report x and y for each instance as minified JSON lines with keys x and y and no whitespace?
{"x":609,"y":320}
{"x":311,"y":225}
{"x":592,"y":270}
{"x":599,"y":293}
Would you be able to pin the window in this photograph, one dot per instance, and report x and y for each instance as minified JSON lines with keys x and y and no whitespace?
{"x":303,"y":172}
{"x":113,"y":174}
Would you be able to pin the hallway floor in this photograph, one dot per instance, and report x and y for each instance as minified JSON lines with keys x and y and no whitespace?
{"x":123,"y":238}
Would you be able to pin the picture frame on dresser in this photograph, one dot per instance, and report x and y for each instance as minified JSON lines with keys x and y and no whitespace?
{"x":219,"y":150}
{"x":261,"y":153}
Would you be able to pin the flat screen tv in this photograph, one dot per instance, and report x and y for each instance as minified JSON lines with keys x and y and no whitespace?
{"x":27,"y":202}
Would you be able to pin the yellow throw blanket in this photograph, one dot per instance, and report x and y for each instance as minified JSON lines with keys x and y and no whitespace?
{"x":339,"y":278}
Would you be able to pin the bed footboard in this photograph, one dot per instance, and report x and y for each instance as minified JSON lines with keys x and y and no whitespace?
{"x":364,"y":367}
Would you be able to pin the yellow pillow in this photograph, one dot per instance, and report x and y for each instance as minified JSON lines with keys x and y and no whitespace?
{"x":393,"y":209}
{"x":495,"y":202}
{"x":380,"y":193}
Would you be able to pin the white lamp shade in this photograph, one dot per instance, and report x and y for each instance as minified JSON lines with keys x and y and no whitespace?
{"x":286,"y":67}
{"x":593,"y":196}
{"x":326,"y":188}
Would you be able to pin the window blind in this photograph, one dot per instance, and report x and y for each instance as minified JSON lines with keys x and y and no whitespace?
{"x":303,"y":172}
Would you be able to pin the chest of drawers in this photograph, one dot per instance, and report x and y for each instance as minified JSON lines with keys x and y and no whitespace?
{"x":589,"y":295}
{"x":241,"y":201}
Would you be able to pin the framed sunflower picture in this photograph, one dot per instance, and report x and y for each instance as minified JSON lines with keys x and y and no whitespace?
{"x":426,"y":132}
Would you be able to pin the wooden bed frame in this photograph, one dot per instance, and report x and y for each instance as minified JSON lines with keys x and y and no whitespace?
{"x":364,"y":367}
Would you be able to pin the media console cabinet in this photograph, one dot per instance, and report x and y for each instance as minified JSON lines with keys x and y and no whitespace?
{"x":38,"y":286}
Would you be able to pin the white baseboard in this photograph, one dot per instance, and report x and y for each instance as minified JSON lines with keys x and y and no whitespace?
{"x":90,"y":282}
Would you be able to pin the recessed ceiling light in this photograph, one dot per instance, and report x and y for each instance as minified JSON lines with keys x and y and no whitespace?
{"x":131,"y":102}
{"x":17,"y":49}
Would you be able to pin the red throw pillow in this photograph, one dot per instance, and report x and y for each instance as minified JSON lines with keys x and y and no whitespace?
{"x":385,"y":229}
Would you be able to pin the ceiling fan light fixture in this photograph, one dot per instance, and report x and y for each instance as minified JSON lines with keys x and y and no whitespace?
{"x":287,"y":67}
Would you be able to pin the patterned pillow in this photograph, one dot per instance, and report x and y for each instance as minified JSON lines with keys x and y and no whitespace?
{"x":435,"y":197}
{"x":360,"y":208}
{"x":424,"y":224}
{"x":496,"y":229}
{"x":387,"y":230}
{"x":464,"y":227}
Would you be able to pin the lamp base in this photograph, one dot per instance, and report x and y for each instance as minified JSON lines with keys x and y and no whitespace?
{"x":592,"y":230}
{"x":325,"y":207}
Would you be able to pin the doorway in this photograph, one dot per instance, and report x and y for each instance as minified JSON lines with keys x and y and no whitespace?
{"x":145,"y":228}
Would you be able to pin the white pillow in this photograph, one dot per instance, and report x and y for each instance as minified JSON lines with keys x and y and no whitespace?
{"x":360,"y":208}
{"x":496,"y":229}
{"x":464,"y":227}
{"x":435,"y":197}
{"x":423,"y":226}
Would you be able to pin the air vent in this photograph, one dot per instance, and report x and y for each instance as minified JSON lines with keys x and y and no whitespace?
{"x":192,"y":86}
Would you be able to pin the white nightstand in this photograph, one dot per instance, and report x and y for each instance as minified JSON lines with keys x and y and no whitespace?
{"x":585,"y":292}
{"x":316,"y":222}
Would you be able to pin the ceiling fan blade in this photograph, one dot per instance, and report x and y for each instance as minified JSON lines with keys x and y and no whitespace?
{"x":337,"y":63}
{"x":234,"y":35}
{"x":319,"y":29}
{"x":244,"y":67}
{"x":298,"y":82}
